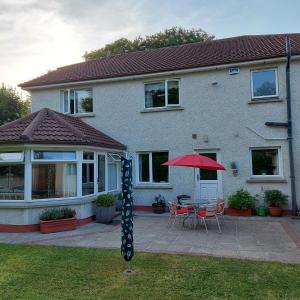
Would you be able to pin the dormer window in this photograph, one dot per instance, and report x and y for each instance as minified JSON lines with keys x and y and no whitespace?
{"x":162,"y":93}
{"x":77,"y":101}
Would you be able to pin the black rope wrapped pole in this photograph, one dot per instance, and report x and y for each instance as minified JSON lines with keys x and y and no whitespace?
{"x":127,"y":248}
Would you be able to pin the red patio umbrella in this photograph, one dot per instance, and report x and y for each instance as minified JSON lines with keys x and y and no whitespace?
{"x":194,"y":161}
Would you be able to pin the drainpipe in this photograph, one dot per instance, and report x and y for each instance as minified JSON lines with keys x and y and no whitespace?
{"x":289,"y":126}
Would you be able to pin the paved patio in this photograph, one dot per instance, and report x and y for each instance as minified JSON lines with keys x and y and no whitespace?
{"x":254,"y":238}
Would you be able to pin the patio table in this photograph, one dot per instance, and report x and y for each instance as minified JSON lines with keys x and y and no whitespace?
{"x":197,"y":206}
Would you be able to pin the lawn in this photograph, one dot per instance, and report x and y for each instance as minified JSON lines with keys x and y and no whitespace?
{"x":42,"y":272}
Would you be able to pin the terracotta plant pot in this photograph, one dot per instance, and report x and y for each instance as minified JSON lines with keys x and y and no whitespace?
{"x":238,"y":212}
{"x":58,"y":225}
{"x":275,"y":211}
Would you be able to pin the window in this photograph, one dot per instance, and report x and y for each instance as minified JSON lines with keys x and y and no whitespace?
{"x":101,"y":173}
{"x":209,"y":174}
{"x":12,"y":156}
{"x":77,"y":101}
{"x":88,"y":173}
{"x":11,"y":181}
{"x":113,"y":171}
{"x":162,"y":93}
{"x":55,"y":180}
{"x":54,"y":155}
{"x":150,"y":169}
{"x":264,"y":83}
{"x":265,"y":162}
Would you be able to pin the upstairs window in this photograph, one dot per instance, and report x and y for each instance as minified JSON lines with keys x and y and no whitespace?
{"x":264,"y":83}
{"x":77,"y":101}
{"x":162,"y":93}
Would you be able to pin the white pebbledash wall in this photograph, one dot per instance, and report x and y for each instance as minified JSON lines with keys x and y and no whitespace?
{"x":222,"y":112}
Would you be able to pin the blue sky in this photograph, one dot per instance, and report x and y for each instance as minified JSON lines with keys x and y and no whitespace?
{"x":36,"y":36}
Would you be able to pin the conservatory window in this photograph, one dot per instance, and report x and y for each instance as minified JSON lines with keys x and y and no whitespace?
{"x":54,"y":155}
{"x":54,"y":180}
{"x":88,"y":173}
{"x":11,"y":176}
{"x":113,"y":171}
{"x":11,"y":181}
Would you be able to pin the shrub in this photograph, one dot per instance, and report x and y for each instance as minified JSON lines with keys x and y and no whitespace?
{"x":241,"y":199}
{"x":159,"y":200}
{"x":105,"y":200}
{"x":57,"y":213}
{"x":275,"y":198}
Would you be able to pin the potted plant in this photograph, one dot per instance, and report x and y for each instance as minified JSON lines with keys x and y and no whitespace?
{"x":105,"y":208}
{"x":240,"y":203}
{"x":159,"y":204}
{"x":119,"y":201}
{"x":233,"y":167}
{"x":276,"y":199}
{"x":58,"y":219}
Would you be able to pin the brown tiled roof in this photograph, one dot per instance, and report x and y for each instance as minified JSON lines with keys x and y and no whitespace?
{"x":50,"y":127}
{"x":195,"y":55}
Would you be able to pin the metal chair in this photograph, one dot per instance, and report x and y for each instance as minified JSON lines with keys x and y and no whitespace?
{"x":176,"y":213}
{"x":209,"y":213}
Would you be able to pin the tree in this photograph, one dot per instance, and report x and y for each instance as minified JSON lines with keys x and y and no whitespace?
{"x":169,"y":37}
{"x":12,"y":107}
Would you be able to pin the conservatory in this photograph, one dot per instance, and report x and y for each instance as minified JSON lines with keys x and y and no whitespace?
{"x":48,"y":159}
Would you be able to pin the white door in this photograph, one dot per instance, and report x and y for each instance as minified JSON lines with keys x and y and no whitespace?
{"x":208,"y":182}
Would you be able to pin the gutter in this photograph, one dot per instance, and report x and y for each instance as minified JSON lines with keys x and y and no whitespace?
{"x":289,"y":126}
{"x":151,"y":75}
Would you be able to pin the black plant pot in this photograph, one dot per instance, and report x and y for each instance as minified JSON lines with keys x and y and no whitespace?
{"x":158,"y":208}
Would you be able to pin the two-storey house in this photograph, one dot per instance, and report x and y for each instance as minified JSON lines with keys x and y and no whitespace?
{"x":214,"y":98}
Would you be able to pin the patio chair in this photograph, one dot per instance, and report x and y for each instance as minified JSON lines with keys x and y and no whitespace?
{"x":210,"y":213}
{"x":220,"y":208}
{"x":176,"y":213}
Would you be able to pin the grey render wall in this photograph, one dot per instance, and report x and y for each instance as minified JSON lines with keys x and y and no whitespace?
{"x":221,"y":112}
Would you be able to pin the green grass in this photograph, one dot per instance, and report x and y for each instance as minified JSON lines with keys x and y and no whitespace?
{"x":42,"y":272}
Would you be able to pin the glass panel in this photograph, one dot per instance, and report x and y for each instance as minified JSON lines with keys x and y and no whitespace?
{"x":55,"y":155}
{"x":209,"y":174}
{"x":160,"y":173}
{"x":72,"y":103}
{"x":173,"y":92}
{"x":12,"y":182}
{"x":84,"y":101}
{"x":264,"y":83}
{"x":64,"y":101}
{"x":87,"y":178}
{"x":88,"y":155}
{"x":112,"y":177}
{"x":265,"y":162}
{"x":144,"y":175}
{"x":12,"y":156}
{"x":101,"y":173}
{"x":155,"y":95}
{"x":54,"y":180}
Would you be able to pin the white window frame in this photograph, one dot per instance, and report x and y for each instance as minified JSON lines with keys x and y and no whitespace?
{"x":88,"y":161}
{"x":150,"y":169}
{"x":166,"y":93}
{"x":68,"y":112}
{"x":279,"y":156}
{"x":276,"y":82}
{"x":21,"y":160}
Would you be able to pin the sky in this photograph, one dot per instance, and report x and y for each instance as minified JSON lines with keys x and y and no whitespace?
{"x":37,"y":36}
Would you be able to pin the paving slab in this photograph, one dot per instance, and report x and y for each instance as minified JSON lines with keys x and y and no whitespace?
{"x":274,"y":239}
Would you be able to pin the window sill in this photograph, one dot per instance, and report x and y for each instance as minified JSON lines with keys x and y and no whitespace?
{"x":266,"y":180}
{"x":265,"y":100}
{"x":87,"y":115}
{"x":159,"y":109}
{"x":153,"y":186}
